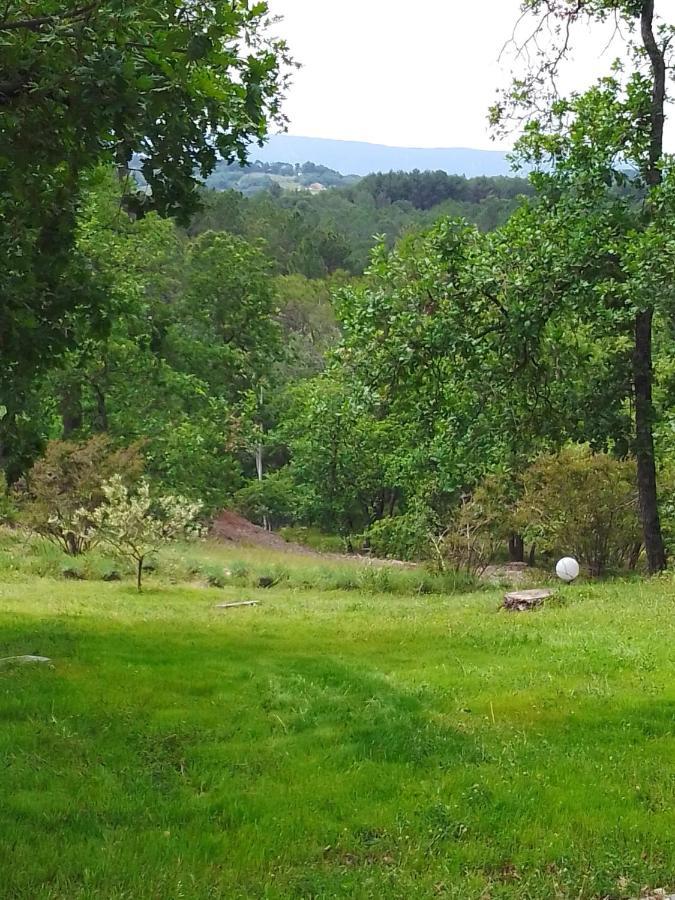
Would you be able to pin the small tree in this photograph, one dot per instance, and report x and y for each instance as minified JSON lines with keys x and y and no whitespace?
{"x":136,"y":525}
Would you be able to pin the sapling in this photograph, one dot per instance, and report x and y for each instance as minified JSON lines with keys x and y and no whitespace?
{"x":136,"y":525}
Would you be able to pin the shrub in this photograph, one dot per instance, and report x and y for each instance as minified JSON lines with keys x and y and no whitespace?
{"x":584,"y":504}
{"x":313,"y":537}
{"x":473,"y":539}
{"x":408,"y":536}
{"x":272,"y":500}
{"x":136,"y":526}
{"x":64,"y":487}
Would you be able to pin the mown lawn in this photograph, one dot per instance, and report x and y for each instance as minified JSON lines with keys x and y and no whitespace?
{"x":335,"y":744}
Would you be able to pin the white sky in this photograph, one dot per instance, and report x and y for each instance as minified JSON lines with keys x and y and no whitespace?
{"x":411,"y":74}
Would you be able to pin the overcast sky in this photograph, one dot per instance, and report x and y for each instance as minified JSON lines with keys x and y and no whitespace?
{"x":420,"y":73}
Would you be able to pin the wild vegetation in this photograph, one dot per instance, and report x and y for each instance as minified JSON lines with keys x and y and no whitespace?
{"x":268,"y":352}
{"x":445,"y":371}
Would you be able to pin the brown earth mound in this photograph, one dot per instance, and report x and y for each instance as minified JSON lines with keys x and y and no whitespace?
{"x":231,"y":527}
{"x":228,"y":526}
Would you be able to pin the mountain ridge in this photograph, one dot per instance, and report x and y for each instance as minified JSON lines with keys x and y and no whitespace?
{"x":363,"y":158}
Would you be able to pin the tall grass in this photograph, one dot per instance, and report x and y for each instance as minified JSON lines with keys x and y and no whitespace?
{"x":219,"y":565}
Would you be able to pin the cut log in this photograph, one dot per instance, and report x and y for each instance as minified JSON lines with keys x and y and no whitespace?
{"x":238,"y":603}
{"x":522,"y":601}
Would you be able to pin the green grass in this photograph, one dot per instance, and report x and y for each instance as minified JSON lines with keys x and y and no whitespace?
{"x":331,"y":743}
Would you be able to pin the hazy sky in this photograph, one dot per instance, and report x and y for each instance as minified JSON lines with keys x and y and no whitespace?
{"x":420,"y":73}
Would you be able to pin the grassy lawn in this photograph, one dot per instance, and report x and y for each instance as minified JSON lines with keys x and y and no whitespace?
{"x":334,"y":743}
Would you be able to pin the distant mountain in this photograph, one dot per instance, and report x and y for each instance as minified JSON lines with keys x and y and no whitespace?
{"x":356,"y":158}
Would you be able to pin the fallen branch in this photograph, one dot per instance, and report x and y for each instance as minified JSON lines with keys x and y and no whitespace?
{"x":238,"y":603}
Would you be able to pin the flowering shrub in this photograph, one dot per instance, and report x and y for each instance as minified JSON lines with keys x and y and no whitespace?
{"x":136,"y":525}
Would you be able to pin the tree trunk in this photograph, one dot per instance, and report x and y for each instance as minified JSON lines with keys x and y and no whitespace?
{"x":71,"y":408}
{"x":644,"y":443}
{"x":259,"y":463}
{"x":516,"y":548}
{"x":139,"y":573}
{"x":101,"y":415}
{"x":642,"y":353}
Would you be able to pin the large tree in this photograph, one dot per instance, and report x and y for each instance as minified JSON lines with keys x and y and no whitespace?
{"x":167,"y":85}
{"x":601,"y":156}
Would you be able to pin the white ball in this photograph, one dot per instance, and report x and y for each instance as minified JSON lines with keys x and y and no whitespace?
{"x":567,"y":569}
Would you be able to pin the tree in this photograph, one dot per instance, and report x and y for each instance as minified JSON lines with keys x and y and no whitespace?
{"x":166,"y":85}
{"x":178,"y":82}
{"x":135,"y":525}
{"x":606,"y":152}
{"x":223,"y":329}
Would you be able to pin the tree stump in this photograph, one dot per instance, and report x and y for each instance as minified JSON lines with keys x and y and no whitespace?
{"x":523,"y":601}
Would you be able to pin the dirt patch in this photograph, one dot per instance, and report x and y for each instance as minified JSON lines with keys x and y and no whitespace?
{"x":235,"y":529}
{"x":510,"y":573}
{"x":228,"y":526}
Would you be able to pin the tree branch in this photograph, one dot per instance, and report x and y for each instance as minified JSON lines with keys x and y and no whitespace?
{"x":39,"y":22}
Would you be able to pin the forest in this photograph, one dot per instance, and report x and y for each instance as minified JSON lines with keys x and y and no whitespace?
{"x":406,"y":361}
{"x":215,"y":335}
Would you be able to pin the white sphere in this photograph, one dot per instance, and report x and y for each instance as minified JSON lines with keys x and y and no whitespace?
{"x":567,"y":568}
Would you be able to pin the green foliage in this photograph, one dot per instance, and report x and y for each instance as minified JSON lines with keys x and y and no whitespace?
{"x":136,"y":525}
{"x":168,"y":86}
{"x":273,"y":499}
{"x":583,"y":504}
{"x":340,"y":455}
{"x":314,"y":538}
{"x":406,"y":536}
{"x":318,"y":235}
{"x":472,"y":540}
{"x":176,"y":83}
{"x":424,"y":190}
{"x":66,"y":485}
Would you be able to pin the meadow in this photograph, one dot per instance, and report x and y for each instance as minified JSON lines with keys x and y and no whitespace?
{"x":354,"y":735}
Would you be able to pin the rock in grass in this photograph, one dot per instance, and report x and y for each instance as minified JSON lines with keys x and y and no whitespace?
{"x":112,"y":576}
{"x":522,"y":601}
{"x":20,"y":660}
{"x":72,"y":573}
{"x":266,"y":581}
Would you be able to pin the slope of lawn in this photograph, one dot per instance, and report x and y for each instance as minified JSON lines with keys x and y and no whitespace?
{"x":334,"y":743}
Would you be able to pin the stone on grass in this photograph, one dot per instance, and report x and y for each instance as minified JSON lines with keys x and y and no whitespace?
{"x":113,"y":575}
{"x":522,"y":601}
{"x":20,"y":660}
{"x":72,"y":573}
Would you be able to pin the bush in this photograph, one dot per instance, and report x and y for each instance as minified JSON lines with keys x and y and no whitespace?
{"x":585,"y":504}
{"x":409,"y":536}
{"x":313,"y":537}
{"x":473,"y":539}
{"x":274,"y":499}
{"x":136,"y":525}
{"x":66,"y":485}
